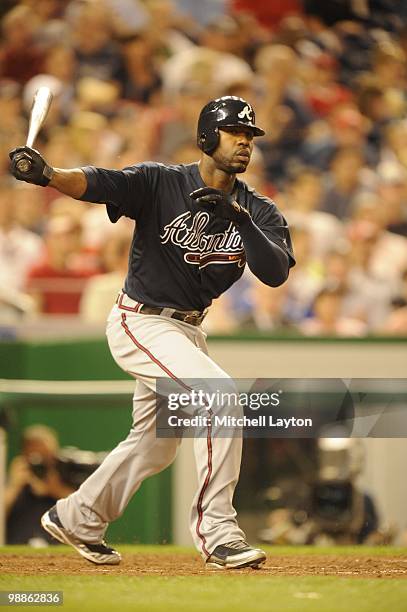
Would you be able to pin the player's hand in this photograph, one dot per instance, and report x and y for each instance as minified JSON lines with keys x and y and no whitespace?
{"x":221,"y":204}
{"x":38,"y":171}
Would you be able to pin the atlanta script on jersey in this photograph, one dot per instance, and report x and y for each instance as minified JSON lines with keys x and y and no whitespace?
{"x":181,"y":256}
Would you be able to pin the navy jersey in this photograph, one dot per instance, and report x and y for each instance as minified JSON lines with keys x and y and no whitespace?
{"x":182,"y":256}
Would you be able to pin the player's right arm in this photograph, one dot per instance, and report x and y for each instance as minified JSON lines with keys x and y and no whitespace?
{"x":69,"y":182}
{"x":123,"y":191}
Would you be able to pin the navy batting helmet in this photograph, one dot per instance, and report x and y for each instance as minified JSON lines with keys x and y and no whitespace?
{"x":229,"y":111}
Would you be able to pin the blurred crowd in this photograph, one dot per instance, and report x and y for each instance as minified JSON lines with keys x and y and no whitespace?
{"x":129,"y":77}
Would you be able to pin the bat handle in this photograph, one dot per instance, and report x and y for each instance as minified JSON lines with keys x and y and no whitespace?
{"x":23,"y":165}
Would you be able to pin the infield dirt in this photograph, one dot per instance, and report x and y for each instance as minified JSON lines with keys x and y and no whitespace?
{"x":162,"y":564}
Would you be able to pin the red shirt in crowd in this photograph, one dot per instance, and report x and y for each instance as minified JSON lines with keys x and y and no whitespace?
{"x":60,"y":291}
{"x":269,"y":14}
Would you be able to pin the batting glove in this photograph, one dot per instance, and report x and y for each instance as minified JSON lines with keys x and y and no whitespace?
{"x":38,"y":171}
{"x":221,"y":204}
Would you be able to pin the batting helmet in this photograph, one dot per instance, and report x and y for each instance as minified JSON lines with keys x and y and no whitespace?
{"x":229,"y":111}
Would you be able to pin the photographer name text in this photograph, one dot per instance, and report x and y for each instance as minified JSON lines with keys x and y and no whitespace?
{"x":235,"y":421}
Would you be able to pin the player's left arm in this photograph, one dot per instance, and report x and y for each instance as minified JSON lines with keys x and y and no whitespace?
{"x":268,"y":251}
{"x":266,"y":238}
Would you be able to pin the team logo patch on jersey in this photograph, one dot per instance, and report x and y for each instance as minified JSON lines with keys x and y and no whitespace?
{"x":247,"y":113}
{"x":188,"y":232}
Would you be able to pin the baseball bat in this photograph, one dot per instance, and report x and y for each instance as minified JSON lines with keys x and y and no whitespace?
{"x":39,"y":110}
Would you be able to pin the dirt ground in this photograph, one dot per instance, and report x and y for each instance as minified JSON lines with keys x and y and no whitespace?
{"x":363,"y":566}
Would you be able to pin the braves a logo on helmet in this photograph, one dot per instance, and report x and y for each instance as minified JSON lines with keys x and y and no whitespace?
{"x":246,"y":113}
{"x":188,"y":232}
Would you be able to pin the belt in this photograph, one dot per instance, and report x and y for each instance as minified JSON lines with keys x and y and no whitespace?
{"x":193,"y":317}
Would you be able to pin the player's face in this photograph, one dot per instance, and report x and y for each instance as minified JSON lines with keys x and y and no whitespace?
{"x":233,"y":153}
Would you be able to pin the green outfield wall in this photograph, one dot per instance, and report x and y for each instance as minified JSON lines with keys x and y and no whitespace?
{"x":97,"y":425}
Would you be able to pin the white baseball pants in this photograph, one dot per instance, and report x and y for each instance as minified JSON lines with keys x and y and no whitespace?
{"x":148,"y":347}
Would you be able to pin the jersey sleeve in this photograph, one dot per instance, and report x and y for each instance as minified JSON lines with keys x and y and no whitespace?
{"x":273,"y":225}
{"x":126,"y":192}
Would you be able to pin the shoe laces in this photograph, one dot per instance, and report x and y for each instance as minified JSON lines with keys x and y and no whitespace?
{"x":237,"y":545}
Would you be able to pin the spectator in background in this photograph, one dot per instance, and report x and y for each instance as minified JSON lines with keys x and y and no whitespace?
{"x":12,"y":123}
{"x":269,"y":13}
{"x":355,"y":52}
{"x":127,"y":17}
{"x":403,"y":33}
{"x":304,"y":193}
{"x":373,"y":104}
{"x":387,"y":253}
{"x":20,"y":57}
{"x":345,"y":127}
{"x":267,"y":308}
{"x":57,"y":282}
{"x":29,"y":208}
{"x":220,"y":318}
{"x":97,"y":55}
{"x":179,"y":127}
{"x":60,"y":62}
{"x":392,"y":190}
{"x":141,"y":80}
{"x":99,"y":97}
{"x":101,"y":290}
{"x":283,"y":109}
{"x":369,"y":294}
{"x":139,"y":130}
{"x":60,"y":145}
{"x":396,"y":322}
{"x":202,"y":12}
{"x":91,"y":137}
{"x":235,"y":34}
{"x":215,"y":70}
{"x":327,"y":318}
{"x":395,"y":146}
{"x":19,"y":247}
{"x":365,"y":296}
{"x":389,"y":66}
{"x":319,"y":33}
{"x":344,"y":183}
{"x":33,"y":484}
{"x":307,"y":280}
{"x":166,"y":31}
{"x":50,"y":27}
{"x":324,"y":92}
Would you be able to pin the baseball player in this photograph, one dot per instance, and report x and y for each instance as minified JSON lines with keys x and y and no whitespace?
{"x":196,"y":227}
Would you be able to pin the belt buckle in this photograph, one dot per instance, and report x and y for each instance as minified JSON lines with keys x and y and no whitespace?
{"x":195,"y":317}
{"x":191,"y":319}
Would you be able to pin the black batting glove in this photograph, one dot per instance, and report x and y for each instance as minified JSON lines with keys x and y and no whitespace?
{"x":221,"y":204}
{"x":36,"y":170}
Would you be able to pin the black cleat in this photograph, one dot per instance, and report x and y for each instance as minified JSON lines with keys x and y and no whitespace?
{"x":235,"y":555}
{"x":101,"y":554}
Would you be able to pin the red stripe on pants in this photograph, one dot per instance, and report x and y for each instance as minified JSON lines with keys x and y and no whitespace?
{"x":208,"y":438}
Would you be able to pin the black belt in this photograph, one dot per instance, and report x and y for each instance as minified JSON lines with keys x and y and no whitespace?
{"x":193,"y":317}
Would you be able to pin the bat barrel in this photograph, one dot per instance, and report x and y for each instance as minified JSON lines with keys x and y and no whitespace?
{"x":40,"y":107}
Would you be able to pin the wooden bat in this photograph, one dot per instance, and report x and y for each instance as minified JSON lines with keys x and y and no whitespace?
{"x":39,"y":110}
